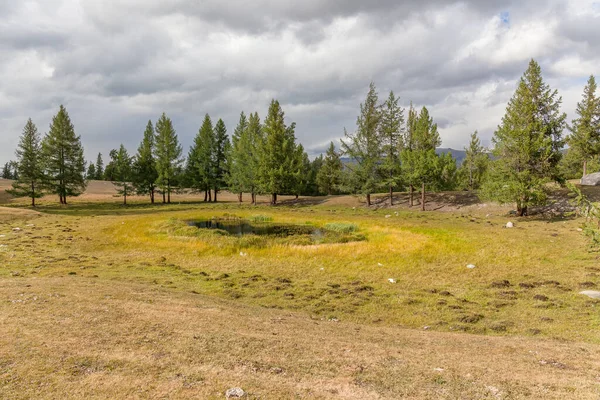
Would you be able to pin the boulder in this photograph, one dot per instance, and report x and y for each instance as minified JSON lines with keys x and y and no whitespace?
{"x":591,"y":294}
{"x":235,"y":393}
{"x":510,"y":225}
{"x":591,"y":179}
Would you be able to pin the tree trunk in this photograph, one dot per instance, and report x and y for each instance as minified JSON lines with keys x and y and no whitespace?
{"x":391,"y":195}
{"x":152,"y":196}
{"x":164,"y":197}
{"x":423,"y":196}
{"x":32,"y":194}
{"x":253,"y":198}
{"x":369,"y":199}
{"x":169,"y":191}
{"x":411,"y":196}
{"x":209,"y":195}
{"x":296,"y":197}
{"x":240,"y":197}
{"x":274,"y":199}
{"x":205,"y":195}
{"x":215,"y":199}
{"x":584,"y":167}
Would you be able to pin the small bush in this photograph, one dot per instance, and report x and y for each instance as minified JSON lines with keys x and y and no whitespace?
{"x":341,"y":227}
{"x":260,"y":218}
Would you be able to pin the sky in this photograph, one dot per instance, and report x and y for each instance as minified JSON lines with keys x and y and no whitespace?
{"x":115,"y":64}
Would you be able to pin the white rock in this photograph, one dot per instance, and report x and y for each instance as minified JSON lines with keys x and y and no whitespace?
{"x":594,"y":294}
{"x":322,"y":269}
{"x":471,"y":266}
{"x":235,"y":393}
{"x":391,"y":280}
{"x":16,"y":229}
{"x":579,"y":230}
{"x":388,"y":216}
{"x":510,"y":225}
{"x":243,"y":254}
{"x":438,"y":369}
{"x":379,"y":264}
{"x":1,"y":236}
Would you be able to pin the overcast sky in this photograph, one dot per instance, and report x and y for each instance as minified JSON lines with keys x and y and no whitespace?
{"x":117,"y":63}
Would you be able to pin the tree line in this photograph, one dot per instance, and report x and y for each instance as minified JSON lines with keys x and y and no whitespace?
{"x":391,"y":149}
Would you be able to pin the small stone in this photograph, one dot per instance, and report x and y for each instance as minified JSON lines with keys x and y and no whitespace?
{"x":391,"y":280}
{"x":379,"y":264}
{"x":243,"y":254}
{"x":579,"y":230}
{"x":16,"y":229}
{"x":426,"y":328}
{"x":388,"y":216}
{"x":471,"y":266}
{"x":510,"y":225}
{"x":438,"y":369}
{"x":594,"y":294}
{"x":235,"y":393}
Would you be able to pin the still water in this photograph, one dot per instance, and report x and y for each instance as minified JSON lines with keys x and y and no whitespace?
{"x":244,"y":227}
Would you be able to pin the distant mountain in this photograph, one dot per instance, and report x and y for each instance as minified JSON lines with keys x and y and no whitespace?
{"x":458,"y":155}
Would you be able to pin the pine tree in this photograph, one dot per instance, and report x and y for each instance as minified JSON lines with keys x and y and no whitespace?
{"x":110,"y":170}
{"x":29,"y":165}
{"x":199,"y":162}
{"x":315,"y":167}
{"x":168,"y":156}
{"x":240,"y":175}
{"x":392,"y":132}
{"x":144,"y":174}
{"x":63,"y":158}
{"x":6,"y":171}
{"x":220,"y":155}
{"x":99,"y":168}
{"x":123,"y":173}
{"x":329,"y":176}
{"x":277,"y":153}
{"x":254,"y":142}
{"x":474,"y":166}
{"x":421,"y":163}
{"x":409,"y":146}
{"x":364,"y":147}
{"x":90,"y":175}
{"x":528,"y":144}
{"x":585,"y":129}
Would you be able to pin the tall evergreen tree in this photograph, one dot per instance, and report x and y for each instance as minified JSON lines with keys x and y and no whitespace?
{"x":408,"y":147}
{"x":329,"y":176}
{"x":168,"y":156}
{"x":144,"y":173}
{"x":277,"y":153}
{"x":474,"y":166}
{"x":220,"y":155}
{"x":392,"y":133}
{"x":255,"y":142}
{"x":90,"y":175}
{"x":7,"y":171}
{"x":99,"y":168}
{"x":528,"y":144}
{"x":110,"y":170}
{"x":315,"y":166}
{"x":364,"y":147}
{"x":199,"y":162}
{"x":421,"y":163}
{"x":123,"y":173}
{"x":63,"y":158}
{"x":585,"y":129}
{"x":29,"y":163}
{"x":240,"y":174}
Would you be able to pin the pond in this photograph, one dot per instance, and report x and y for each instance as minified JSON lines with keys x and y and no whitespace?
{"x":242,"y":227}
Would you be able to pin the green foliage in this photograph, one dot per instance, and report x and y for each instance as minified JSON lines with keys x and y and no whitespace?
{"x":474,"y":167}
{"x":7,"y":172}
{"x":29,"y":165}
{"x":99,"y":168}
{"x":63,"y":158}
{"x":591,"y":212}
{"x":570,"y":164}
{"x":260,"y":218}
{"x":90,"y":175}
{"x":364,"y":148}
{"x":392,"y":131}
{"x":220,"y":153}
{"x":199,"y":165}
{"x":123,"y":173}
{"x":528,"y":144}
{"x":144,"y":173}
{"x":241,"y":157}
{"x":584,"y":140}
{"x":278,"y":166}
{"x":168,"y":155}
{"x":341,"y":227}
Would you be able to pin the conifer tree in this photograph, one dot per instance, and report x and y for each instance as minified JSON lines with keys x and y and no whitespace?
{"x":408,"y":147}
{"x":168,"y":156}
{"x":110,"y":170}
{"x":255,"y":142}
{"x":277,"y":153}
{"x":220,"y":155}
{"x":63,"y":158}
{"x":315,"y":166}
{"x":99,"y":168}
{"x":392,"y":132}
{"x":123,"y":173}
{"x":6,"y":171}
{"x":144,"y":173}
{"x":90,"y":175}
{"x":364,"y":147}
{"x":240,"y":175}
{"x":474,"y":166}
{"x":29,"y":165}
{"x":199,"y":162}
{"x":528,"y":144}
{"x":329,"y":175}
{"x":585,"y":129}
{"x":421,"y":163}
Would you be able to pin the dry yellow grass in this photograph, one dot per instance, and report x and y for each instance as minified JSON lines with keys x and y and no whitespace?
{"x":101,"y":301}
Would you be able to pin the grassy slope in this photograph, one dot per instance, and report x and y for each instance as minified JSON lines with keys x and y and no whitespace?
{"x":133,"y":310}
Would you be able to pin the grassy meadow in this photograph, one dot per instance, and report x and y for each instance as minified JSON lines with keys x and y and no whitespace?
{"x":105,"y":301}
